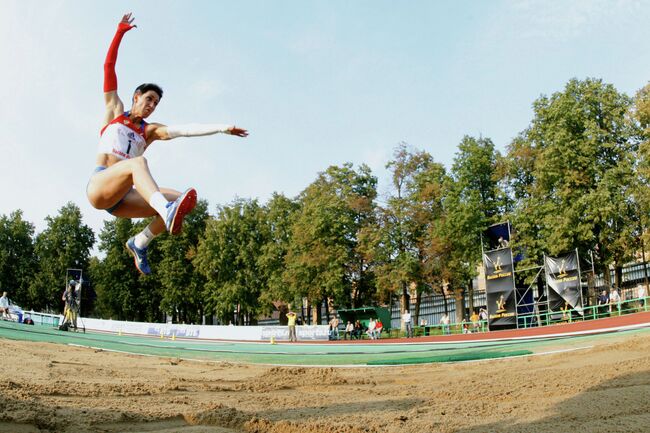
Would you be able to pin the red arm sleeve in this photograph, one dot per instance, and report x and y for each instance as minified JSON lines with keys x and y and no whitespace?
{"x":110,"y":78}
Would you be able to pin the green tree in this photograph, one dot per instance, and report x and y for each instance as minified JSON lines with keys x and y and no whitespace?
{"x":64,"y":244}
{"x":279,"y":213}
{"x":181,"y":284}
{"x":324,"y":261}
{"x":641,"y":111}
{"x":115,"y":279}
{"x":574,"y":189}
{"x":401,"y":241}
{"x":17,"y":260}
{"x":228,"y":257}
{"x":471,"y":204}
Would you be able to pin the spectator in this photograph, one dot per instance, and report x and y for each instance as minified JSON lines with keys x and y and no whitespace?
{"x":378,"y":328}
{"x":291,"y":322}
{"x":334,"y":328}
{"x":614,"y":299}
{"x":371,"y":328}
{"x":358,"y":329}
{"x":349,"y":330}
{"x":641,"y":294}
{"x":465,"y":326}
{"x":483,"y":317}
{"x":444,"y":324}
{"x":503,"y":243}
{"x":566,"y":311}
{"x":72,"y":300}
{"x":408,"y":326}
{"x":4,"y":306}
{"x":423,"y":325}
{"x":603,"y":299}
{"x":474,"y":319}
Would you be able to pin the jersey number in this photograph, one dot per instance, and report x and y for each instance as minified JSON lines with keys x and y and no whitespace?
{"x":128,"y":150}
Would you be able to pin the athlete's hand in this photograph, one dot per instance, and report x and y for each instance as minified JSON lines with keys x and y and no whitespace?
{"x":125,"y":25}
{"x":238,"y":132}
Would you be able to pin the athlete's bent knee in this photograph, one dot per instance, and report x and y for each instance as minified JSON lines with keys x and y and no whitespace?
{"x":139,"y":162}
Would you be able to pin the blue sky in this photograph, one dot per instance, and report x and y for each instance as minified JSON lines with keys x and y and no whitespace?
{"x":316,"y":83}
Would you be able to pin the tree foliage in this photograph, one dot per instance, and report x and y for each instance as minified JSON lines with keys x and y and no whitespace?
{"x":573,"y":187}
{"x":228,"y":257}
{"x":64,"y":244}
{"x":17,"y":261}
{"x":324,"y":260}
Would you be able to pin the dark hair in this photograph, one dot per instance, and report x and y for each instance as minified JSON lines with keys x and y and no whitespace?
{"x":144,"y":88}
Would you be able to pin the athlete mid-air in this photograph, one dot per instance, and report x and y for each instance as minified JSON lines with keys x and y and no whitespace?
{"x":121,"y":182}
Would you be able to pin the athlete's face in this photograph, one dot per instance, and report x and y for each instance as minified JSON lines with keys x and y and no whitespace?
{"x":145,"y":103}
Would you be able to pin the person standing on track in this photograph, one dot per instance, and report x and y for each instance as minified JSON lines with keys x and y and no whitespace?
{"x":291,"y":323}
{"x":121,"y":183}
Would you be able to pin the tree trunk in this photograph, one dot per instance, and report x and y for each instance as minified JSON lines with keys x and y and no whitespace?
{"x":404,"y":304}
{"x":618,"y":276}
{"x":607,"y":277}
{"x":591,"y":289}
{"x":316,"y":313}
{"x":416,"y":313}
{"x":327,"y":309}
{"x":470,"y":296}
{"x":459,"y":297}
{"x":444,"y":298}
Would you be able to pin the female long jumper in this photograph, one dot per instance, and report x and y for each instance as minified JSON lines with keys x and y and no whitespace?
{"x":122,"y":183}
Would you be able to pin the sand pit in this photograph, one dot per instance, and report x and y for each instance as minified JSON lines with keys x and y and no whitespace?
{"x":56,"y":388}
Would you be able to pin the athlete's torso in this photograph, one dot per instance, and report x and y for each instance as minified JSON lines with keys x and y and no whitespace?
{"x":122,"y":139}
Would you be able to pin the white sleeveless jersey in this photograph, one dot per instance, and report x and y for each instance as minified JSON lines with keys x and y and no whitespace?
{"x":122,"y":139}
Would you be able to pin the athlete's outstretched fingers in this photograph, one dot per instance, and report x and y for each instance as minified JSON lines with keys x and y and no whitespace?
{"x":127,"y":19}
{"x":239,"y":132}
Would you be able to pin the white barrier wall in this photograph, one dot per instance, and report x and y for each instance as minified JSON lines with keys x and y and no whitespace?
{"x":208,"y":332}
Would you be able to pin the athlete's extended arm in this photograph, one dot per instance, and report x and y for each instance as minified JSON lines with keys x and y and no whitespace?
{"x":157,"y":131}
{"x":114,"y":106}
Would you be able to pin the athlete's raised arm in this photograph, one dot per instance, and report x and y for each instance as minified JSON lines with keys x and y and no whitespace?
{"x":114,"y":106}
{"x":157,"y":131}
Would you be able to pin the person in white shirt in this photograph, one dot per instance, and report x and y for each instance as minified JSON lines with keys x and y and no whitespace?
{"x":444,"y":323}
{"x":371,"y":328}
{"x":4,"y":306}
{"x":641,"y":294}
{"x":408,"y":326}
{"x":614,"y":299}
{"x":349,"y":330}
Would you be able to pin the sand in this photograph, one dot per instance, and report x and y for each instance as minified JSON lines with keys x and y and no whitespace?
{"x":54,"y":388}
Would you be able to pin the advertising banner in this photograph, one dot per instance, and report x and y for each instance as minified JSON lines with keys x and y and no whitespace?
{"x":563,"y":281}
{"x":500,"y":288}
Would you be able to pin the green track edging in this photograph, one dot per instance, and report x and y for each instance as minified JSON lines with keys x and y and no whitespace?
{"x":471,"y":356}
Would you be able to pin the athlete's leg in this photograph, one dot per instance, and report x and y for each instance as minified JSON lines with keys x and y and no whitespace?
{"x":109,"y":186}
{"x":133,"y":205}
